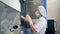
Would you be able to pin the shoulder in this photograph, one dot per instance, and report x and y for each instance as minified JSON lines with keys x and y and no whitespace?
{"x":43,"y":19}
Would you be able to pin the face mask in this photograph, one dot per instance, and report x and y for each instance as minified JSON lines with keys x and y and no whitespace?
{"x":36,"y":14}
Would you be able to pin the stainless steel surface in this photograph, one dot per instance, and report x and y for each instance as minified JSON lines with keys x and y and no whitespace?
{"x":9,"y":18}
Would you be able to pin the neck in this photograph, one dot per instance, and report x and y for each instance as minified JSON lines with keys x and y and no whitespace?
{"x":39,"y":17}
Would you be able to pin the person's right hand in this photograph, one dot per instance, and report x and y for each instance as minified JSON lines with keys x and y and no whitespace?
{"x":27,"y":18}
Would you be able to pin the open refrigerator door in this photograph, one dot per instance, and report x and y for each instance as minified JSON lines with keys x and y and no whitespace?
{"x":10,"y":20}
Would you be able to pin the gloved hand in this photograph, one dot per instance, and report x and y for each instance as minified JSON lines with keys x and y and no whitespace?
{"x":27,"y":18}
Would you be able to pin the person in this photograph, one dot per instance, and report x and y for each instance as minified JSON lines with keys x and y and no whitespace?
{"x":39,"y":25}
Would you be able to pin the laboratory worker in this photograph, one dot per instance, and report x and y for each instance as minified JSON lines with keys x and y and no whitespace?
{"x":39,"y":25}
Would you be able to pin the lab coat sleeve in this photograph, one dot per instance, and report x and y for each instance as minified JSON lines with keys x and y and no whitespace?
{"x":39,"y":25}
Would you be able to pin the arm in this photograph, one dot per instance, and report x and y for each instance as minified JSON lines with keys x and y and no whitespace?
{"x":32,"y":27}
{"x":28,"y":19}
{"x":35,"y":27}
{"x":38,"y":26}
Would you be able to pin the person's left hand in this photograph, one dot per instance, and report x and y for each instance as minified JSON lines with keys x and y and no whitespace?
{"x":27,"y":18}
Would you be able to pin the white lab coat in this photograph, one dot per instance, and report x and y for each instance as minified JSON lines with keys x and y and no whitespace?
{"x":40,"y":25}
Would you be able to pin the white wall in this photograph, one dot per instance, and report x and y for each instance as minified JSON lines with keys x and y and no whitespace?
{"x":53,"y":7}
{"x":12,"y":3}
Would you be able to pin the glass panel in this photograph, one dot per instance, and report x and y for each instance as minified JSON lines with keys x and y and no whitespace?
{"x":31,"y":5}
